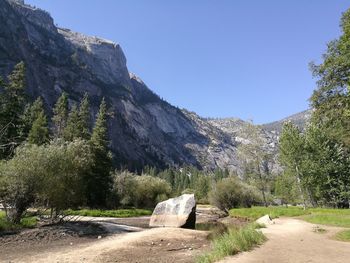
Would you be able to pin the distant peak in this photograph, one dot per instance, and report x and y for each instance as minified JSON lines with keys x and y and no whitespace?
{"x":135,"y":77}
{"x":21,"y":2}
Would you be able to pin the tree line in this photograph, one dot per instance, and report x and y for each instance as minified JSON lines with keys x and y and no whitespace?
{"x":59,"y":163}
{"x":317,"y":160}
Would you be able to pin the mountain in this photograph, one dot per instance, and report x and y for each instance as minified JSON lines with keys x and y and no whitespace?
{"x":300,"y":119}
{"x":144,"y":129}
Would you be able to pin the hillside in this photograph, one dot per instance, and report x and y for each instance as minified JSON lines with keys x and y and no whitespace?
{"x":144,"y":130}
{"x":300,"y":119}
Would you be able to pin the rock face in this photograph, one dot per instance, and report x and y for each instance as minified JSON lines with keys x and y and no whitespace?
{"x":145,"y":129}
{"x":175,"y":212}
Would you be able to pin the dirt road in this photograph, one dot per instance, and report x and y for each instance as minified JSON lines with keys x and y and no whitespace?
{"x":295,"y":241}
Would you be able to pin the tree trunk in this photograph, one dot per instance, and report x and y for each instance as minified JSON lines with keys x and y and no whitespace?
{"x":262,"y":185}
{"x":15,"y":215}
{"x":299,"y":186}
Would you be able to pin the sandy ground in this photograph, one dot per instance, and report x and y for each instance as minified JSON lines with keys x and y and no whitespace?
{"x":124,"y":240}
{"x":289,"y":241}
{"x":295,"y":241}
{"x":151,"y":245}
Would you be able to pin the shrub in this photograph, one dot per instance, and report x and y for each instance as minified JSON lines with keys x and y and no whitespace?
{"x":140,"y":191}
{"x":231,"y":192}
{"x":150,"y":191}
{"x":51,"y":174}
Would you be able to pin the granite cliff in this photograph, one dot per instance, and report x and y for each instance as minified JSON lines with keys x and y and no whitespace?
{"x":144,"y":129}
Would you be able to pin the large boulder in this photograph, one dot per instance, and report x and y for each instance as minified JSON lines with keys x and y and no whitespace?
{"x":175,"y":212}
{"x":265,"y":220}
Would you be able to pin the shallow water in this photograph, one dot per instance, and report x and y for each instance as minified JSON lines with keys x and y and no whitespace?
{"x":215,"y":228}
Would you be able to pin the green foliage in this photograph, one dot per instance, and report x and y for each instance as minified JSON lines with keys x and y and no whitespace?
{"x":286,"y":188}
{"x":39,"y":133}
{"x":60,"y":115}
{"x":332,"y":217}
{"x":231,"y":192}
{"x":140,"y":191}
{"x":12,"y":105}
{"x":150,"y":191}
{"x":64,"y":185}
{"x":6,"y":226}
{"x":190,"y":180}
{"x":99,"y":137}
{"x":319,"y":157}
{"x":323,"y":216}
{"x":320,"y":164}
{"x":343,"y":235}
{"x":292,"y":153}
{"x":257,"y":160}
{"x":256,"y":212}
{"x":72,"y":130}
{"x":327,"y":172}
{"x":52,"y":174}
{"x":99,"y":180}
{"x":109,"y":213}
{"x":233,"y":242}
{"x":333,"y":73}
{"x":78,"y":121}
{"x":84,"y":118}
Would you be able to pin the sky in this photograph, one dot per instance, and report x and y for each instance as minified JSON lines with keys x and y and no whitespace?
{"x":219,"y":58}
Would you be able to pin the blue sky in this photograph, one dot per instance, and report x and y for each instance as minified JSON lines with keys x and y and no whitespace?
{"x":219,"y":58}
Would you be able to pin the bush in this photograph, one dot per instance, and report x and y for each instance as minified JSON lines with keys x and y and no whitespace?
{"x":51,"y":174}
{"x":140,"y":191}
{"x":231,"y":192}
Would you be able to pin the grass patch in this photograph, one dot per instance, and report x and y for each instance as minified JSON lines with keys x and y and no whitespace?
{"x":274,"y":212}
{"x":26,"y":222}
{"x":322,"y":216}
{"x":343,"y":236}
{"x":328,"y":219}
{"x":109,"y":213}
{"x":233,"y":242}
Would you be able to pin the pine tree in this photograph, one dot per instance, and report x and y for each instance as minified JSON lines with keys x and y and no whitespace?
{"x":31,"y":113}
{"x":13,"y":101}
{"x":84,"y":117}
{"x":72,"y":130}
{"x":99,"y":181}
{"x":39,"y":133}
{"x":60,"y":115}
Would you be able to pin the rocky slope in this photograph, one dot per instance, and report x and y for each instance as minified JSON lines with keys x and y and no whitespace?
{"x":300,"y":119}
{"x":144,"y":129}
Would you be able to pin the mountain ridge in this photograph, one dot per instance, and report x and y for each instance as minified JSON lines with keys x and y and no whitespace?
{"x":146,"y":130}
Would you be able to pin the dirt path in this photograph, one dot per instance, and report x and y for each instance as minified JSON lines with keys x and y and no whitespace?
{"x":150,"y":246}
{"x":295,"y":241}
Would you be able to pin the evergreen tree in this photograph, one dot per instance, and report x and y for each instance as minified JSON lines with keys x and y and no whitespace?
{"x":39,"y":133}
{"x":72,"y":130}
{"x":31,"y":113}
{"x":100,"y":180}
{"x":60,"y":115}
{"x":84,"y":117}
{"x":13,"y":101}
